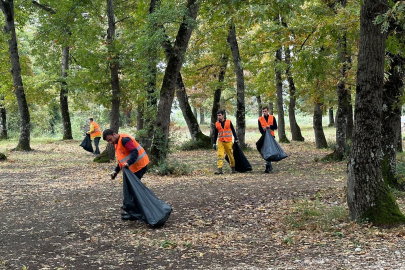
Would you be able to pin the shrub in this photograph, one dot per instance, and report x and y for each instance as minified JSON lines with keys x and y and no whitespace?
{"x":176,"y":168}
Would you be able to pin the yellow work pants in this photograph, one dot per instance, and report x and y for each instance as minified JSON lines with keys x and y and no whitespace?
{"x":225,"y":147}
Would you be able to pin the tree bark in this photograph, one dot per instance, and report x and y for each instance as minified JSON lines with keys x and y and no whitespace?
{"x":320,"y":140}
{"x":368,"y":196}
{"x":282,"y":137}
{"x":161,"y":136}
{"x":217,"y":95}
{"x":295,"y":129}
{"x":240,"y":85}
{"x":64,"y":104}
{"x":271,"y":108}
{"x":7,"y":7}
{"x":391,"y":119}
{"x":259,"y":105}
{"x":194,"y":111}
{"x":139,"y":117}
{"x":331,"y":118}
{"x":3,"y":117}
{"x":349,"y":118}
{"x":202,"y":118}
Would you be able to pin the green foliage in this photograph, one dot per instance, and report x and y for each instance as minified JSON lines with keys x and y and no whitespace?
{"x":176,"y":168}
{"x":193,"y":145}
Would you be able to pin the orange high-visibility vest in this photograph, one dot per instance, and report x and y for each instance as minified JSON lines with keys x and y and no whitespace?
{"x":268,"y":123}
{"x":96,"y":132}
{"x":224,"y":134}
{"x":123,"y":154}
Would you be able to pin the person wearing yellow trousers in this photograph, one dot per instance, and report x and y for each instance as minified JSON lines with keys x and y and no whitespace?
{"x":95,"y":134}
{"x":223,"y":132}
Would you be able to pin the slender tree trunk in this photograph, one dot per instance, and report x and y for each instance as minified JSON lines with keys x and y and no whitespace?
{"x":320,"y":139}
{"x":280,"y":110}
{"x":343,"y":103}
{"x":189,"y":116}
{"x":399,"y":136}
{"x":7,"y":7}
{"x":3,"y":117}
{"x":139,"y":117}
{"x":391,"y":119}
{"x":161,"y":136}
{"x":349,"y":119}
{"x":202,"y":119}
{"x":240,"y":85}
{"x":331,"y":118}
{"x":295,"y":129}
{"x":217,"y":95}
{"x":368,"y":196}
{"x":259,"y":105}
{"x":64,"y":104}
{"x":271,"y":108}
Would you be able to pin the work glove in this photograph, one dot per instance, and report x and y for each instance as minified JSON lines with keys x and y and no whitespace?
{"x":113,"y":175}
{"x":126,"y":165}
{"x":214,"y":146}
{"x":236,"y":141}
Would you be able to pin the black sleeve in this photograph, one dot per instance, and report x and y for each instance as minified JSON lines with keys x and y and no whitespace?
{"x":260,"y":127}
{"x":233,"y":132}
{"x":215,"y":135}
{"x":274,"y":126}
{"x":134,"y":152}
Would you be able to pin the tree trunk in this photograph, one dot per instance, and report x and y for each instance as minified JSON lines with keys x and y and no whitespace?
{"x":194,"y":111}
{"x":343,"y":103}
{"x":240,"y":85}
{"x":64,"y":104}
{"x":349,"y":119}
{"x":391,"y":119}
{"x":271,"y":108}
{"x":202,"y":119}
{"x":217,"y":95}
{"x":139,"y":117}
{"x":280,"y":110}
{"x":320,"y":139}
{"x":259,"y":105}
{"x":368,"y":196}
{"x":295,"y":129}
{"x":7,"y":7}
{"x":331,"y":118}
{"x":189,"y":116}
{"x":3,"y":117}
{"x":161,"y":136}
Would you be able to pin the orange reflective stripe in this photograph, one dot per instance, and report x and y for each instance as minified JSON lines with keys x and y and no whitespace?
{"x":224,"y":134}
{"x":123,"y":154}
{"x":265,"y":123}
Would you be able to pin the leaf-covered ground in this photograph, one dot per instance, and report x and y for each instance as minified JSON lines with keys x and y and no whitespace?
{"x":60,"y":210}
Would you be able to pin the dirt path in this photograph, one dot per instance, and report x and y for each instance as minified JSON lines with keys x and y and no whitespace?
{"x":59,"y":210}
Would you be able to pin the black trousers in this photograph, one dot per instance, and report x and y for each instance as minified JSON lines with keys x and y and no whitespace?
{"x":96,"y":143}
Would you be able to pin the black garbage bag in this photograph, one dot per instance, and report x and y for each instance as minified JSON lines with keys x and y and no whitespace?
{"x":86,"y":143}
{"x":241,"y":162}
{"x":269,"y":148}
{"x":141,"y":204}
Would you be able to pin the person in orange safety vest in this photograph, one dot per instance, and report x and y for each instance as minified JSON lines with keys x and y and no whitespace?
{"x":130,"y":154}
{"x":267,"y":121}
{"x":95,"y":134}
{"x":223,"y":132}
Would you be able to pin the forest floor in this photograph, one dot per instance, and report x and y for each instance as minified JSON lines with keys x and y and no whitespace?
{"x":60,"y":210}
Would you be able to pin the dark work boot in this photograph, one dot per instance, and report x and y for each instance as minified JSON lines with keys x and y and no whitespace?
{"x":233,"y":170}
{"x":267,"y":169}
{"x":219,"y":171}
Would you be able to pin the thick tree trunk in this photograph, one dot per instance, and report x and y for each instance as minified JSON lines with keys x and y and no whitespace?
{"x":368,"y":196}
{"x":320,"y":140}
{"x":217,"y":95}
{"x":240,"y":85}
{"x":259,"y":105}
{"x":161,"y":136}
{"x":331,"y":118}
{"x":64,"y":104}
{"x":295,"y":129}
{"x":7,"y":7}
{"x":202,"y":118}
{"x":189,"y":116}
{"x":3,"y":121}
{"x":282,"y":137}
{"x":391,"y":119}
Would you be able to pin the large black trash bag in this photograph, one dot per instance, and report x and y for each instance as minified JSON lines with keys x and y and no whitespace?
{"x":241,"y":162}
{"x":141,"y":204}
{"x":269,"y":148}
{"x":86,"y":143}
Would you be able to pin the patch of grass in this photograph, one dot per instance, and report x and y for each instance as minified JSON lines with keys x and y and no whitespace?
{"x":192,"y":145}
{"x":175,"y":168}
{"x":168,"y":244}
